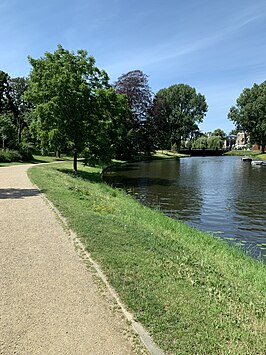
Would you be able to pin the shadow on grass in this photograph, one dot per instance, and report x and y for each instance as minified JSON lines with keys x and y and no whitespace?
{"x":45,"y":160}
{"x":85,"y":175}
{"x":18,"y":193}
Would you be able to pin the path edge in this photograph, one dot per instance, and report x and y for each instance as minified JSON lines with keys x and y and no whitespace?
{"x":138,"y":328}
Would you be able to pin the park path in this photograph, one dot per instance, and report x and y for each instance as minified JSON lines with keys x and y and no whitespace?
{"x":49,"y":301}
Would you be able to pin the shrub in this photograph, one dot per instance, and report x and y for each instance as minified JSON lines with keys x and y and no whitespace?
{"x":25,"y":150}
{"x":7,"y":156}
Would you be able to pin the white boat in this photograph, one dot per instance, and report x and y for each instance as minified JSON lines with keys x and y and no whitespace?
{"x":256,"y":162}
{"x":246,"y":158}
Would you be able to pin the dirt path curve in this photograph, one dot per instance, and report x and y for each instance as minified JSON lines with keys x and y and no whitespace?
{"x":49,"y":303}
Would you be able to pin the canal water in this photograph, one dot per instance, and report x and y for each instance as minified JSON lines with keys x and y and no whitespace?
{"x":222,"y":195}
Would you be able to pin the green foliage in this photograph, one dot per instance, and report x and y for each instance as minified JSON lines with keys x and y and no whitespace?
{"x":249,"y":114}
{"x":19,"y":107}
{"x":252,"y":153}
{"x":63,"y":87}
{"x":13,"y":104}
{"x":109,"y":117}
{"x":176,"y":110}
{"x":219,"y":133}
{"x":174,"y":148}
{"x":215,"y":142}
{"x":4,"y":92}
{"x":7,"y":130}
{"x":7,"y":156}
{"x":233,"y":132}
{"x":200,"y":143}
{"x":26,"y":151}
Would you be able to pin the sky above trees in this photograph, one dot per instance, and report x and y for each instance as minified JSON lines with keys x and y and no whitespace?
{"x":218,"y":47}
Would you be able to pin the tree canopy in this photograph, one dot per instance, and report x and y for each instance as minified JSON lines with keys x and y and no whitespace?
{"x":67,"y":103}
{"x":13,"y":106}
{"x":249,"y":113}
{"x":218,"y":132}
{"x":134,"y":85}
{"x":176,"y":110}
{"x":4,"y":92}
{"x":63,"y":89}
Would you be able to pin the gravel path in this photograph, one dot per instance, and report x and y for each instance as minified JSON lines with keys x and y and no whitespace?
{"x":50,"y":303}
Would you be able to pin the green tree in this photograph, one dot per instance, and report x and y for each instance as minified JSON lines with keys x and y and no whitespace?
{"x":233,"y":132}
{"x":62,"y":88}
{"x":109,"y":113}
{"x":4,"y":92}
{"x":18,"y":106}
{"x":249,"y":113}
{"x":7,"y":131}
{"x":200,"y":143}
{"x":178,"y":108}
{"x":215,"y":142}
{"x":219,"y":133}
{"x":12,"y":102}
{"x":160,"y":123}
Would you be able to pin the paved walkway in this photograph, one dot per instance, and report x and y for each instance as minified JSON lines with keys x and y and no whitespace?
{"x":49,"y":303}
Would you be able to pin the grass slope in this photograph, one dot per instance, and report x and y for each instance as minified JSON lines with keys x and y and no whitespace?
{"x":251,"y":153}
{"x":194,"y":293}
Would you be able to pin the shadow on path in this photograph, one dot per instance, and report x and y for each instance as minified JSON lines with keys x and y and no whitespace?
{"x":18,"y":193}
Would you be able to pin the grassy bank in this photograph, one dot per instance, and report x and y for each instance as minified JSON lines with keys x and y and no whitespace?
{"x":252,"y":153}
{"x":37,"y":159}
{"x":262,"y":156}
{"x":256,"y":154}
{"x":168,"y":154}
{"x":194,"y":293}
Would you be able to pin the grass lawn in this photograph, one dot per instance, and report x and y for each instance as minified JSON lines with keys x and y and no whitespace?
{"x":167,"y":154}
{"x":262,"y":156}
{"x":37,"y":159}
{"x":252,"y":153}
{"x":243,"y":152}
{"x":194,"y":293}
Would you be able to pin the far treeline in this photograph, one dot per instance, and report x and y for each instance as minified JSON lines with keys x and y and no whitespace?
{"x":68,"y":105}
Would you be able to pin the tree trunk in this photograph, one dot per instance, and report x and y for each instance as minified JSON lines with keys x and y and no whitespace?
{"x":19,"y":135}
{"x":19,"y":130}
{"x":178,"y":145}
{"x":262,"y":148}
{"x":75,"y":161}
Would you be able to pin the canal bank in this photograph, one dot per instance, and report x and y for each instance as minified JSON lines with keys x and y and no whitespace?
{"x":193,"y":293}
{"x":220,"y":195}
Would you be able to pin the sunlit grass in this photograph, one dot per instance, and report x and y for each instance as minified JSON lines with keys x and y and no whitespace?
{"x":262,"y":157}
{"x":243,"y":152}
{"x":166,"y":154}
{"x":38,"y":159}
{"x":252,"y":153}
{"x":194,"y":293}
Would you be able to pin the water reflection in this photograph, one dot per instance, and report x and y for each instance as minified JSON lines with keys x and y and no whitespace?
{"x":155,"y":184}
{"x":221,"y":195}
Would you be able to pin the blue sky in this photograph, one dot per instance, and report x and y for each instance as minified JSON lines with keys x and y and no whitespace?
{"x":218,"y":47}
